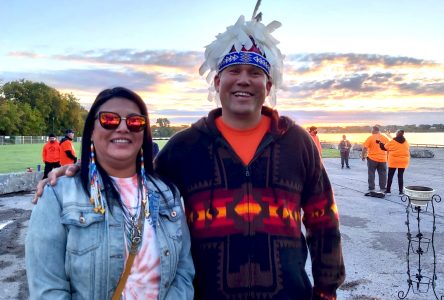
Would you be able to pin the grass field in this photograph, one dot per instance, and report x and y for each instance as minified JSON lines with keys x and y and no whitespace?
{"x":330,"y":153}
{"x":16,"y":158}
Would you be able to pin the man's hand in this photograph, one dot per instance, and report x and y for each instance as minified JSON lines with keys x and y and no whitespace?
{"x":364,"y":153}
{"x":68,"y":170}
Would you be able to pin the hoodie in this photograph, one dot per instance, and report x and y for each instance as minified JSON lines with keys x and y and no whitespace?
{"x":398,"y":152}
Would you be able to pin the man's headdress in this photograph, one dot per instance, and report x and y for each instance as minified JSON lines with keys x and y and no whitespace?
{"x":246,"y":42}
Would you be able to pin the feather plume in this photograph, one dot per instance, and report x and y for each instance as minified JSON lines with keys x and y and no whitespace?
{"x":256,"y":8}
{"x":238,"y":36}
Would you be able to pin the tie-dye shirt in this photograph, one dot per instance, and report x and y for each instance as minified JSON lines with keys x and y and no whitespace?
{"x":144,"y":279}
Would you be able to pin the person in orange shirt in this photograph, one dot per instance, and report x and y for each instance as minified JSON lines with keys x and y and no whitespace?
{"x":313,"y":130}
{"x":398,"y":158}
{"x":67,"y":152}
{"x":51,"y":155}
{"x":376,"y":159}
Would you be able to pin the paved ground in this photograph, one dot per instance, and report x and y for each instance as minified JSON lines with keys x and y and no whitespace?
{"x":17,"y":209}
{"x":373,"y":230}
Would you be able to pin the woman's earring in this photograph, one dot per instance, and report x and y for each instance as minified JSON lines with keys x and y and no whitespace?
{"x":144,"y":180}
{"x":96,"y":195}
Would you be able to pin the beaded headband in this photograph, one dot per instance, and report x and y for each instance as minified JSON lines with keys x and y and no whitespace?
{"x":245,"y":57}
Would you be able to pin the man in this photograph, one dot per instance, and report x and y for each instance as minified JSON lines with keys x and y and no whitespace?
{"x":51,"y":154}
{"x":313,"y":130}
{"x":246,"y":174}
{"x":67,"y":151}
{"x":344,"y":148}
{"x":376,"y":159}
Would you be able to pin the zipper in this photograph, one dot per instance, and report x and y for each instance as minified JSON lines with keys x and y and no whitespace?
{"x":248,"y":195}
{"x":267,"y":140}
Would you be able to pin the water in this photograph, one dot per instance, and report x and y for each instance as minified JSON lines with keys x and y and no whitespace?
{"x":429,"y":138}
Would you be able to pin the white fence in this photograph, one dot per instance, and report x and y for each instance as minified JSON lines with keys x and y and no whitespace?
{"x":20,"y":139}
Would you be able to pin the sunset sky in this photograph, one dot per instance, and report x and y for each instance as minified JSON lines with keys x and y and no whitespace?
{"x":347,"y":62}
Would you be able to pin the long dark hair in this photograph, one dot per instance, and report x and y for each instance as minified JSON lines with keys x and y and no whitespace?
{"x":147,"y":145}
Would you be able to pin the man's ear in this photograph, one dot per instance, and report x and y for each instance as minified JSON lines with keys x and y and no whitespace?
{"x":217,"y":82}
{"x":268,"y":86}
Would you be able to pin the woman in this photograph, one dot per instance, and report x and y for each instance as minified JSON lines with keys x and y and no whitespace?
{"x":114,"y":215}
{"x":398,"y":158}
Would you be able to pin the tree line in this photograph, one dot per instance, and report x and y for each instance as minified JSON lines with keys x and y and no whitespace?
{"x":33,"y":108}
{"x":163,"y":128}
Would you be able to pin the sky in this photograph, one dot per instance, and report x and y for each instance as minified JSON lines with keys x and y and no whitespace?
{"x":347,"y":62}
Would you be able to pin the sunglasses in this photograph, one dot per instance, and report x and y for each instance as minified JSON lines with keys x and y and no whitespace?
{"x":111,"y":121}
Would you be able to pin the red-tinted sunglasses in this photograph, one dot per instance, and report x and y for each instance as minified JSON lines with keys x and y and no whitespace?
{"x":111,"y":121}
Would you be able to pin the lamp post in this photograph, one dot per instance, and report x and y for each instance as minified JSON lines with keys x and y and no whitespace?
{"x":52,"y":124}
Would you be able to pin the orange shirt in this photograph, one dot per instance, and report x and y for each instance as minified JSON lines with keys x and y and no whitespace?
{"x":374,"y":150}
{"x":398,"y":154}
{"x":317,"y":143}
{"x":51,"y":152}
{"x":64,"y":159}
{"x":244,"y":142}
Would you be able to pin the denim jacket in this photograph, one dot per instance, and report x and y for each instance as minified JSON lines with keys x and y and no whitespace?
{"x":74,"y":253}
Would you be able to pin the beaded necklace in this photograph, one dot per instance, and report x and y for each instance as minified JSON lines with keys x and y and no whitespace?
{"x":133,"y":222}
{"x":133,"y":215}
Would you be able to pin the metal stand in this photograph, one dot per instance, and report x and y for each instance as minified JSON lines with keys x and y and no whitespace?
{"x":419,"y":245}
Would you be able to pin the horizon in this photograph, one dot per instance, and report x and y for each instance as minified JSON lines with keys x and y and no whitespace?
{"x":347,"y":63}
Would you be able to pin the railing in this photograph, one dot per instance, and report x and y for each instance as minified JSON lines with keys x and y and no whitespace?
{"x":15,"y":140}
{"x":334,"y":145}
{"x":21,"y":139}
{"x":427,"y":146}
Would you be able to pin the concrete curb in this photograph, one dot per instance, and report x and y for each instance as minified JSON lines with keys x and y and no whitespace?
{"x":19,"y":182}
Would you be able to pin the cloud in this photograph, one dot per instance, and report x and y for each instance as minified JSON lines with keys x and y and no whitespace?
{"x":91,"y":80}
{"x":179,"y":77}
{"x":420,"y":88}
{"x":25,"y":54}
{"x":345,"y":76}
{"x":303,"y":63}
{"x":383,"y":77}
{"x":343,"y":87}
{"x":165,"y":58}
